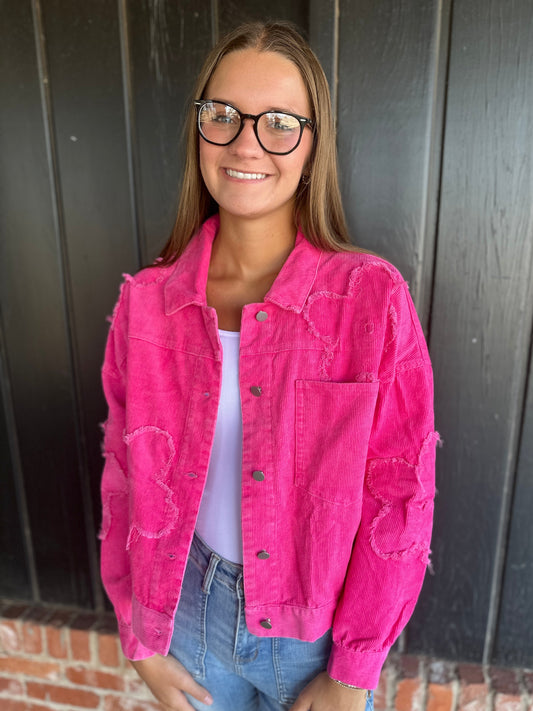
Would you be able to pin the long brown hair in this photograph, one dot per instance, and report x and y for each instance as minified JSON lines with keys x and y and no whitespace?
{"x":318,"y":206}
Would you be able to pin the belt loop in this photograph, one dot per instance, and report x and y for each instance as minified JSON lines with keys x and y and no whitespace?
{"x":240,"y":587}
{"x":214,"y":560}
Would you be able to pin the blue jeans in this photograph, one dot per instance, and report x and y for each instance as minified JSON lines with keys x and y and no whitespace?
{"x":241,"y":671}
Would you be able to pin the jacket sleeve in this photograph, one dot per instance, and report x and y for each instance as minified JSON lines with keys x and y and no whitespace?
{"x":115,"y":568}
{"x":391,"y":549}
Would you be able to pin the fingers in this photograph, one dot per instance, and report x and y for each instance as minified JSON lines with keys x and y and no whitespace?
{"x":301,"y":703}
{"x":186,"y":682}
{"x":167,"y":679}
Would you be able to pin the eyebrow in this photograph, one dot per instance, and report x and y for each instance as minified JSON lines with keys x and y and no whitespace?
{"x":273,"y":109}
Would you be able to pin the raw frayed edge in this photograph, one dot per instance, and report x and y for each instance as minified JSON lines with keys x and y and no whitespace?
{"x":137,"y":531}
{"x":417,"y":549}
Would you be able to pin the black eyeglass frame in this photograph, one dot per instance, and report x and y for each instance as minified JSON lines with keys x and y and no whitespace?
{"x":200,"y":103}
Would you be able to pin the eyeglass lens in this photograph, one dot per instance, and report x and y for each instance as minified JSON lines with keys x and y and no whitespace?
{"x":277,"y":132}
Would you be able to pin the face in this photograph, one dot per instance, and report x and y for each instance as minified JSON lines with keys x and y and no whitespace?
{"x":245,"y":180}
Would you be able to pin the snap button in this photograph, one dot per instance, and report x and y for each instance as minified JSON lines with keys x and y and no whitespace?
{"x":255,"y":390}
{"x":263,"y":555}
{"x":261,"y":316}
{"x":258,"y":475}
{"x":267,"y":624}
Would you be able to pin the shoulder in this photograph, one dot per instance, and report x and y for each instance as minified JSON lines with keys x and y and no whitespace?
{"x":151,"y":276}
{"x":353,"y":272}
{"x":142,"y":292}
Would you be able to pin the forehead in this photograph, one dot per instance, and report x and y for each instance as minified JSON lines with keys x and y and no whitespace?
{"x":256,"y":81}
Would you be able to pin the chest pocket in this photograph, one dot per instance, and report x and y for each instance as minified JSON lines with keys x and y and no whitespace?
{"x":333,"y":424}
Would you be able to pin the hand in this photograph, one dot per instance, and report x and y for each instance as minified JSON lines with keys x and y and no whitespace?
{"x":323,"y":694}
{"x":167,"y":679}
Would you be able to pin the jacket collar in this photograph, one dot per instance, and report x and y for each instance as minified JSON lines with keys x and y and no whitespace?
{"x":187,"y":283}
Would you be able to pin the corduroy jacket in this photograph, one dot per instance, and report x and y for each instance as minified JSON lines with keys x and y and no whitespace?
{"x":336,"y":394}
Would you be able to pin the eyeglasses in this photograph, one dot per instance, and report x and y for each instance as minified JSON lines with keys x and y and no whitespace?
{"x":277,"y":132}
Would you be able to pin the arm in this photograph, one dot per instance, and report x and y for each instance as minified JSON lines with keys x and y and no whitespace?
{"x":165,"y":676}
{"x":391,"y":549}
{"x":114,"y":487}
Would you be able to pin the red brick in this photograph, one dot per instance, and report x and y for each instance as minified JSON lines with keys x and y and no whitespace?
{"x":15,"y":612}
{"x":470,"y":673}
{"x":408,"y":666}
{"x":84,"y":621}
{"x":94,"y":678}
{"x":108,"y":650}
{"x":10,"y":636}
{"x":473,"y":697}
{"x":406,"y":692}
{"x":505,"y":681}
{"x":32,"y":637}
{"x":38,"y":613}
{"x":120,"y":703}
{"x":12,"y":705}
{"x":63,"y":695}
{"x":29,"y":667}
{"x":57,"y":642}
{"x":440,"y":697}
{"x":11,"y":686}
{"x":507,"y":702}
{"x":80,"y":648}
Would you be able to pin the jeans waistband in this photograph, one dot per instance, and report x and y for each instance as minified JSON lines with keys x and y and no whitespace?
{"x":214,"y":566}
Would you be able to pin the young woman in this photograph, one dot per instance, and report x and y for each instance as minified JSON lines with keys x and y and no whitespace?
{"x":268,"y":489}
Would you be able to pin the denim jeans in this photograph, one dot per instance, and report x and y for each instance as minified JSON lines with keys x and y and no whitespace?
{"x":241,"y":671}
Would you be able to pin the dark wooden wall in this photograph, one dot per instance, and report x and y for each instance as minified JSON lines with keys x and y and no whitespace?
{"x":434,"y":101}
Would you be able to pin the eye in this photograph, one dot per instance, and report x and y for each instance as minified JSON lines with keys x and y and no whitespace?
{"x":282,"y":122}
{"x":219,"y":114}
{"x":225,"y":117}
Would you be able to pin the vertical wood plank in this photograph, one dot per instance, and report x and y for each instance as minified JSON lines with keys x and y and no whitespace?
{"x":33,"y":312}
{"x":232,"y":12}
{"x":390,"y":103}
{"x":168,"y":42}
{"x":514,"y":639}
{"x":324,"y":40}
{"x":15,"y":560}
{"x":481,"y":320}
{"x":83,"y":51}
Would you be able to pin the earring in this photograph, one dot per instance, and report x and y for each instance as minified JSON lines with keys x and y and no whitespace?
{"x":305,"y":179}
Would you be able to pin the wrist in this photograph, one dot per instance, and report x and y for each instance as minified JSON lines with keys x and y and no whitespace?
{"x":346,"y":686}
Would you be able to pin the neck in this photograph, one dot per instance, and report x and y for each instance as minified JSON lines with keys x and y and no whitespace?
{"x":250,"y":250}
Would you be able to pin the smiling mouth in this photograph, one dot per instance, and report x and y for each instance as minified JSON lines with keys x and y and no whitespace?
{"x":245,"y":176}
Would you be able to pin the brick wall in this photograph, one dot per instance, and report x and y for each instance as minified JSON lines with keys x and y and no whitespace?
{"x":63,"y":660}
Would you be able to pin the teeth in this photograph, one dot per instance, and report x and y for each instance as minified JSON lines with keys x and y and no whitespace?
{"x":245,"y":176}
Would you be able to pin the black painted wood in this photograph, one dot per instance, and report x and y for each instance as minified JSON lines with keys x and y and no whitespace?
{"x":324,"y":39}
{"x":36,"y":334}
{"x":84,"y":59}
{"x":167,"y":45}
{"x":232,"y":12}
{"x":15,"y":578}
{"x":481,"y":324}
{"x":514,"y":639}
{"x":391,"y":81}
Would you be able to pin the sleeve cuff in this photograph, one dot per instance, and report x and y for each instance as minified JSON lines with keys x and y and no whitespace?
{"x":360,"y":669}
{"x":131,"y":647}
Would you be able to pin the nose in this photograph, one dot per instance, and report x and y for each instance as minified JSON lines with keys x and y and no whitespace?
{"x":246,"y":142}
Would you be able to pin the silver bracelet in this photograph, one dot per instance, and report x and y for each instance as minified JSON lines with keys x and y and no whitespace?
{"x":346,"y":686}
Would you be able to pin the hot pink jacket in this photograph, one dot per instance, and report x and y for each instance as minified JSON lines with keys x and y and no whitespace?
{"x":336,"y":392}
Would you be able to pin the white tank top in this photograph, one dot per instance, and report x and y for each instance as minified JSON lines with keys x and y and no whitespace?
{"x":219,"y":518}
